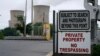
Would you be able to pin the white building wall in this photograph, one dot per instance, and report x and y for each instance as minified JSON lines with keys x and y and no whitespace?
{"x":41,"y":13}
{"x":14,"y":14}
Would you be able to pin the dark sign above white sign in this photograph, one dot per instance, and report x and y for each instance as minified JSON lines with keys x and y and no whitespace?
{"x":74,"y":20}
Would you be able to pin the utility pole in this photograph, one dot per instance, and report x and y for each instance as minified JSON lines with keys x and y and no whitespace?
{"x":32,"y":17}
{"x":43,"y":18}
{"x":25,"y":19}
{"x":94,"y":8}
{"x":43,"y":26}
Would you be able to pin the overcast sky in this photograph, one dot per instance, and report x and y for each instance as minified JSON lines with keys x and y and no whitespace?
{"x":7,"y":5}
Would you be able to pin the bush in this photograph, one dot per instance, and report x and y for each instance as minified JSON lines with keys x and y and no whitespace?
{"x":38,"y":29}
{"x":1,"y":35}
{"x":96,"y":50}
{"x":10,"y":32}
{"x":29,"y":28}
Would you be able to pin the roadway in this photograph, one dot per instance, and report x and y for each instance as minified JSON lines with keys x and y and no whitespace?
{"x":25,"y":47}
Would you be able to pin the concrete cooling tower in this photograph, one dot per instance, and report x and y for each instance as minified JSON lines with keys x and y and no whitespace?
{"x":41,"y":13}
{"x":14,"y":14}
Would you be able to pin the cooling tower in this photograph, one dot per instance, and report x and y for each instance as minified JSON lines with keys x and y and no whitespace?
{"x":41,"y":13}
{"x":14,"y":14}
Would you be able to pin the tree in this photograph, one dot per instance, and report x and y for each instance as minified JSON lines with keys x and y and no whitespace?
{"x":10,"y":32}
{"x":29,"y":28}
{"x":38,"y":24}
{"x":21,"y":24}
{"x":38,"y":29}
{"x":1,"y":35}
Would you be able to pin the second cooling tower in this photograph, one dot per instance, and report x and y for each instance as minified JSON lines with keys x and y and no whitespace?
{"x":41,"y":14}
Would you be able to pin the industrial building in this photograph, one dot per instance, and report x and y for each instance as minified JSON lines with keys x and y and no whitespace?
{"x":41,"y":13}
{"x":14,"y":14}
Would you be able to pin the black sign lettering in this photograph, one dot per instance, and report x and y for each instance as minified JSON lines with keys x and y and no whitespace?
{"x":65,"y":20}
{"x":66,"y":25}
{"x":74,"y":20}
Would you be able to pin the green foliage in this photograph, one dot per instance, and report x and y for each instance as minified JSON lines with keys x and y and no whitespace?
{"x":10,"y":32}
{"x":38,"y":24}
{"x":20,"y":18}
{"x":51,"y":30}
{"x":1,"y":35}
{"x":96,"y":50}
{"x":38,"y":29}
{"x":20,"y":26}
{"x":29,"y":28}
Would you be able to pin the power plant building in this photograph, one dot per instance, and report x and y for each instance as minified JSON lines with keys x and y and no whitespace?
{"x":14,"y":20}
{"x":41,"y":13}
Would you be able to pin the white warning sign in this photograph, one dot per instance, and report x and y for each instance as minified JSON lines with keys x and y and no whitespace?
{"x":74,"y":42}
